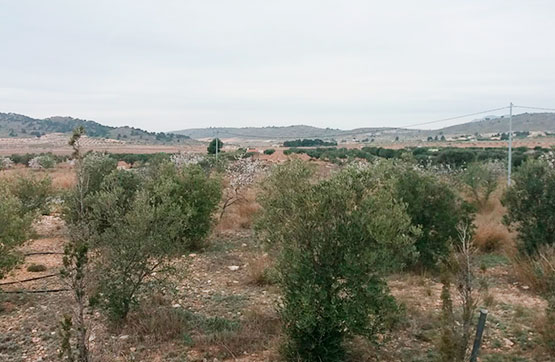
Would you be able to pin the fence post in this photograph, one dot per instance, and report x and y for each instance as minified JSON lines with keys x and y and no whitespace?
{"x":479,"y":333}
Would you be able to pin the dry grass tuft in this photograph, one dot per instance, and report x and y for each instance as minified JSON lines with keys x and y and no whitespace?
{"x":261,"y":271}
{"x":156,"y":321}
{"x":491,"y":234}
{"x":537,"y":272}
{"x":257,"y":331}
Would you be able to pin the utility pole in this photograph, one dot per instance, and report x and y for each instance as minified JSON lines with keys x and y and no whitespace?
{"x":510,"y":165}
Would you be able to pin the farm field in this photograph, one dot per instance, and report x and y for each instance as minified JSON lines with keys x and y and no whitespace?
{"x":220,"y":302}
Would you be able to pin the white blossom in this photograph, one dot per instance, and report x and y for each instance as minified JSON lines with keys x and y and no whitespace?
{"x":186,"y":158}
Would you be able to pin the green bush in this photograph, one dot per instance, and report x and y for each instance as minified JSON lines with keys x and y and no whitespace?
{"x":140,"y":224}
{"x":194,"y":192}
{"x":43,"y":161}
{"x":481,"y":180}
{"x":78,"y":202}
{"x":530,"y":203}
{"x":336,"y":240}
{"x":269,"y":151}
{"x":308,"y":143}
{"x":436,"y":208}
{"x":15,"y":228}
{"x":35,"y":194}
{"x":212,"y":146}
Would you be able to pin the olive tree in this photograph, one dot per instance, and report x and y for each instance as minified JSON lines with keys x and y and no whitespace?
{"x":530,"y":204}
{"x":336,"y":239}
{"x":142,"y":223}
{"x":481,"y":180}
{"x":434,"y":206}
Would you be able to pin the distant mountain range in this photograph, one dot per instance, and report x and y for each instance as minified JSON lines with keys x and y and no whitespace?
{"x":541,"y":122}
{"x":20,"y":126}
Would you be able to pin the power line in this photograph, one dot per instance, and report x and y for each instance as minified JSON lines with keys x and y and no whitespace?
{"x":538,"y":108}
{"x":453,"y":118}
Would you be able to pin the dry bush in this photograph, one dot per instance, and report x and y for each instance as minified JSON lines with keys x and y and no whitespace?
{"x":157,"y":321}
{"x":536,"y":271}
{"x":239,"y":215}
{"x":62,"y":178}
{"x":261,"y":271}
{"x":491,"y":234}
{"x":491,"y":237}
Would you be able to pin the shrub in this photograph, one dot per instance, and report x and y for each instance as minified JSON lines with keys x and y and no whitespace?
{"x":336,"y":239}
{"x":538,"y":271}
{"x":530,"y":203}
{"x":42,"y":161}
{"x":35,"y":268}
{"x":92,"y":169}
{"x":35,"y":194}
{"x":456,"y":156}
{"x":308,"y":143}
{"x":194,"y":193}
{"x":481,"y":180}
{"x":15,"y":228}
{"x":436,"y":208}
{"x":269,"y":151}
{"x":139,"y":228}
{"x":212,"y":146}
{"x":5,"y":163}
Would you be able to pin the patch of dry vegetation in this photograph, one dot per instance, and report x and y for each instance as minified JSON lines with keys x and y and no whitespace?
{"x":491,"y":234}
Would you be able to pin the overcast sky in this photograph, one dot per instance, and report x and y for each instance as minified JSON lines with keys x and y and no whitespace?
{"x":168,"y":65}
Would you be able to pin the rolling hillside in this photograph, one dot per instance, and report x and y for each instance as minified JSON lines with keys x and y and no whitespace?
{"x":19,"y":126}
{"x":522,"y":122}
{"x":490,"y":125}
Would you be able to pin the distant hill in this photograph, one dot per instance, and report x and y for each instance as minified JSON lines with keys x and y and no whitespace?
{"x":490,"y":125}
{"x":20,"y":126}
{"x":288,"y":132}
{"x":522,"y":122}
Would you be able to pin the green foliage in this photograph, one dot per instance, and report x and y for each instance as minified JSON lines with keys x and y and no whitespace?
{"x":92,"y":170}
{"x":66,"y":350}
{"x":336,"y":239}
{"x":481,"y":180}
{"x":530,"y":203}
{"x":15,"y":228}
{"x":309,"y":143}
{"x":269,"y":151}
{"x":140,"y":223}
{"x":453,"y":157}
{"x":194,"y":193}
{"x":436,"y":208}
{"x":43,"y":161}
{"x":212,"y":146}
{"x":96,"y":167}
{"x":35,"y":194}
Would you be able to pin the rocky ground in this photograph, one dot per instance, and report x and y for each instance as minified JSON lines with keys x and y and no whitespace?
{"x":220,"y":307}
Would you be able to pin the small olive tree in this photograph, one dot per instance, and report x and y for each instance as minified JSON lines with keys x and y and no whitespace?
{"x":530,"y":204}
{"x":457,"y":319}
{"x":140,"y":224}
{"x":434,"y":206}
{"x":336,"y":239}
{"x":481,"y":180}
{"x":15,"y":228}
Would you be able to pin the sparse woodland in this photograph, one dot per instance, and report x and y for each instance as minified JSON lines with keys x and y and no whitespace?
{"x":192,"y":258}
